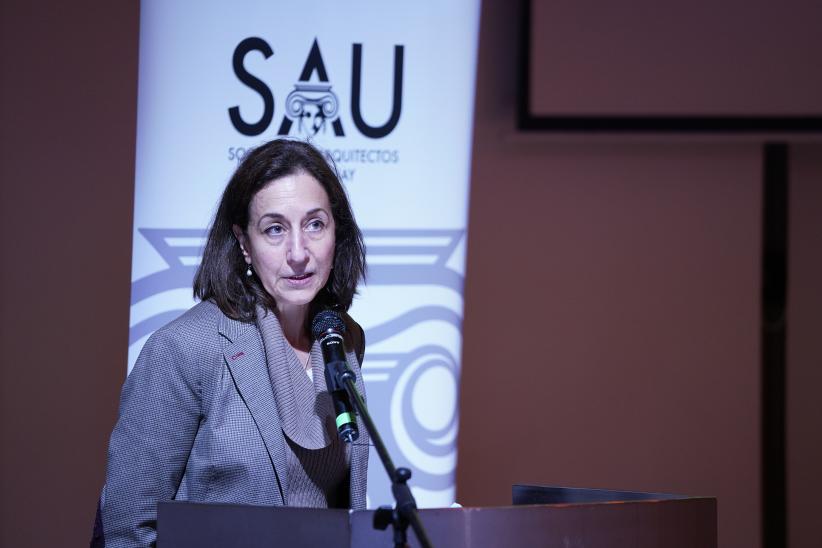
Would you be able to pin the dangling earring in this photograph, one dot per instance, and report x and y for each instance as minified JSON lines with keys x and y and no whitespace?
{"x":248,"y":271}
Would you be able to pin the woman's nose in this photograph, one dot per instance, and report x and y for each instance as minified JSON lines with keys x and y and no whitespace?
{"x":297,"y":252}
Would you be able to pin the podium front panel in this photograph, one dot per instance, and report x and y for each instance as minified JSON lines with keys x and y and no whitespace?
{"x":672,"y":523}
{"x":192,"y":525}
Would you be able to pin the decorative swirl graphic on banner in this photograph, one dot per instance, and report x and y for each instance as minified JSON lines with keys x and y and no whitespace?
{"x":182,"y":250}
{"x":412,"y":392}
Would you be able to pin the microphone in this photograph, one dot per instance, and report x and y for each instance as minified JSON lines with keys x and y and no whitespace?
{"x":328,"y":328}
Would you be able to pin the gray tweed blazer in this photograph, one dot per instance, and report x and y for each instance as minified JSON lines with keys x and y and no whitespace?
{"x":198,"y":422}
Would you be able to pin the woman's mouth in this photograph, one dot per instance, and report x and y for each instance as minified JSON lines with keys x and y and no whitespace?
{"x":300,"y":280}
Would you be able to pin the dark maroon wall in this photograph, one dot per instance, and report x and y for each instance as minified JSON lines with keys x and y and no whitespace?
{"x":69,"y":75}
{"x":612,"y":322}
{"x":678,"y":57}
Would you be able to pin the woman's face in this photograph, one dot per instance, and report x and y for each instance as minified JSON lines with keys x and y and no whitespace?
{"x":289,"y":240}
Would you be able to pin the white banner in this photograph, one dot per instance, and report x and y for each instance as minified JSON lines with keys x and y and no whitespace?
{"x":386,"y":89}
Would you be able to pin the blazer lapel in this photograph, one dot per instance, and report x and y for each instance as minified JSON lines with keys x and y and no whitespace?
{"x":245,"y":358}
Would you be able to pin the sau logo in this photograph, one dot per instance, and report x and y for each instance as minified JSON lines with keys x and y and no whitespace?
{"x":313,"y":107}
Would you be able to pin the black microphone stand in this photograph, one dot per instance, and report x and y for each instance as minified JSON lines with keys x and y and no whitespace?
{"x":406,"y":510}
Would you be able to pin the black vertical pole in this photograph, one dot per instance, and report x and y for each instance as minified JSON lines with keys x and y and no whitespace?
{"x":774,"y":297}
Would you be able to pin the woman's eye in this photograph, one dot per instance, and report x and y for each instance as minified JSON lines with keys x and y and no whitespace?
{"x":274,"y":230}
{"x":315,"y":225}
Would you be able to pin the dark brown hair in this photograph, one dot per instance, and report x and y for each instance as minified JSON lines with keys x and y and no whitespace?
{"x":221,"y":275}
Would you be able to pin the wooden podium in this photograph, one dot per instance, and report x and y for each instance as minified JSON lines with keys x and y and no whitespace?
{"x":541,"y":516}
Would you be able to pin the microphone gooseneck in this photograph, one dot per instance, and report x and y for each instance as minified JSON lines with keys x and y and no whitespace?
{"x":329,"y":329}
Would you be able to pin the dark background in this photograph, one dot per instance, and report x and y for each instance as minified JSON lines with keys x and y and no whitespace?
{"x":635,"y":262}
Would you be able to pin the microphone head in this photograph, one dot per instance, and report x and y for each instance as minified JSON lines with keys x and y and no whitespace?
{"x":325,"y":320}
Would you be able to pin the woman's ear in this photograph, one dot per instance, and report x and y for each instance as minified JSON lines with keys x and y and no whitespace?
{"x":241,"y":239}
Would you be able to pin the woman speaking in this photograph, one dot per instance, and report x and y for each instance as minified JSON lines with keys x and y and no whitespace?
{"x":229,"y":403}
